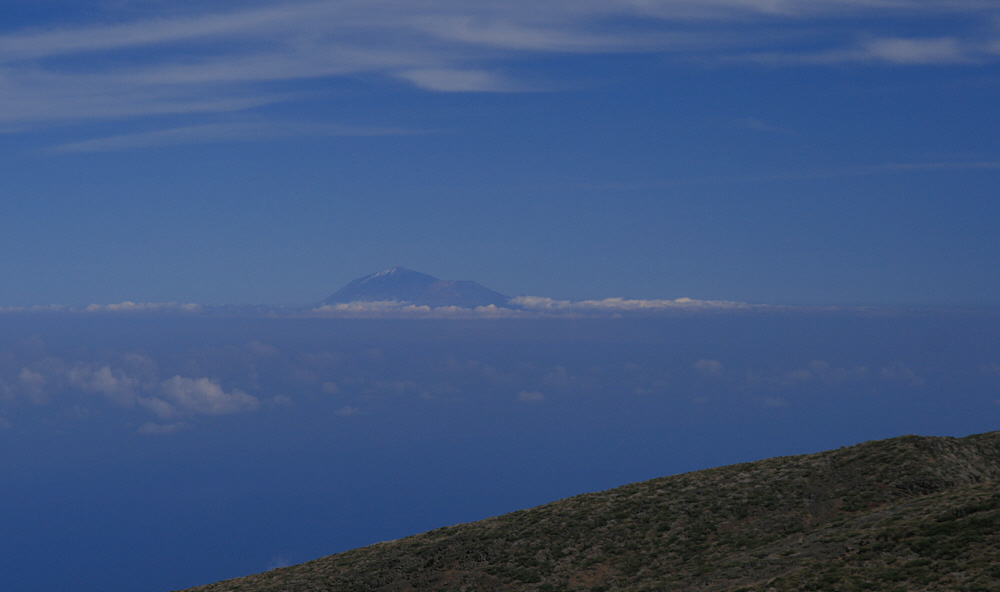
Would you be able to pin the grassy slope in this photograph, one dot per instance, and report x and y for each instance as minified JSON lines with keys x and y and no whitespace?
{"x":910,"y":513}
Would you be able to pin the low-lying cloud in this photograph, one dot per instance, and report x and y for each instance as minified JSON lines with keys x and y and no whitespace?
{"x":620,"y":305}
{"x":528,"y":307}
{"x":132,"y":381}
{"x":204,"y":396}
{"x":396,"y":309}
{"x":186,"y":375}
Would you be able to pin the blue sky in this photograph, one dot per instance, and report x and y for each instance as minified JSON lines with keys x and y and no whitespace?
{"x":796,"y":152}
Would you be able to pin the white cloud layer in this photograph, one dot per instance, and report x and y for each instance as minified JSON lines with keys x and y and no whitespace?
{"x":223,"y":57}
{"x":623,"y":305}
{"x":395,"y":309}
{"x":527,"y":307}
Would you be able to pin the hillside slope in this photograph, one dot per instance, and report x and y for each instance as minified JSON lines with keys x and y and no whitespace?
{"x":909,"y":513}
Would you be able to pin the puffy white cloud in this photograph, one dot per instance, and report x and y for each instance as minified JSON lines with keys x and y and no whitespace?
{"x":114,"y":385}
{"x":203,"y":396}
{"x":262,"y":349}
{"x":347,"y":410}
{"x":561,"y":378}
{"x":531,"y":397}
{"x":901,"y":373}
{"x":127,"y":380}
{"x":34,"y":385}
{"x":158,"y":407}
{"x":7,"y":393}
{"x":709,"y":367}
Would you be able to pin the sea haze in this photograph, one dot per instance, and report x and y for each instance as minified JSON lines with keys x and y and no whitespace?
{"x":161,"y":450}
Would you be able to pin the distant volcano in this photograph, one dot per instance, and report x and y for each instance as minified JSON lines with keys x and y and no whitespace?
{"x":404,"y":285}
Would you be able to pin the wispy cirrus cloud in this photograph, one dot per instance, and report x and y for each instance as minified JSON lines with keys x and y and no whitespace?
{"x":222,"y":57}
{"x":900,"y":51}
{"x":222,"y":132}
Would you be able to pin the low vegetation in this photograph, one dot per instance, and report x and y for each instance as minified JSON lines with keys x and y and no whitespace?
{"x":910,"y":513}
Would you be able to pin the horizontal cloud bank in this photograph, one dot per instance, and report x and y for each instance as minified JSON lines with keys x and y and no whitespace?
{"x":623,"y":304}
{"x":127,"y":306}
{"x":530,"y":307}
{"x":519,"y":307}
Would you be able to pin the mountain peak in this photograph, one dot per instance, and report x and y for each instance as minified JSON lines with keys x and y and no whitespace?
{"x":405,"y":285}
{"x":395,"y":269}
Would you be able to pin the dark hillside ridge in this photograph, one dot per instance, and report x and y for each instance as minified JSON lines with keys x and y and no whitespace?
{"x":909,"y":513}
{"x":405,"y":285}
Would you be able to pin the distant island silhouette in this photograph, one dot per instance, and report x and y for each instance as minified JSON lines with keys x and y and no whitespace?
{"x":405,"y":285}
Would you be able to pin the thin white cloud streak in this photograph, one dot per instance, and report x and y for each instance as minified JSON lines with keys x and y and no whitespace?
{"x":227,"y":60}
{"x":889,"y":168}
{"x":121,"y":307}
{"x":929,"y":51}
{"x":222,"y":132}
{"x":38,"y":308}
{"x":150,"y":428}
{"x":449,"y":80}
{"x":751,"y":123}
{"x":144,"y":307}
